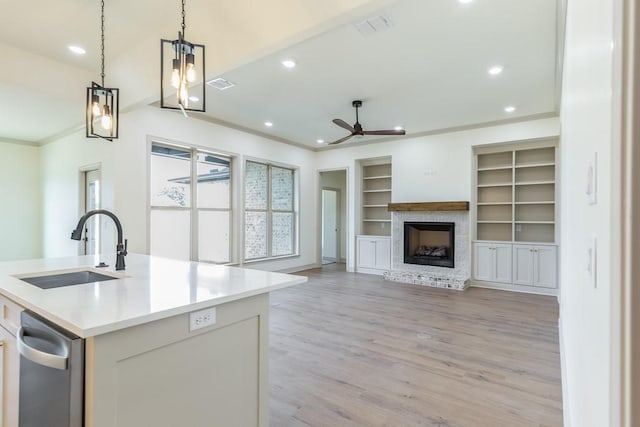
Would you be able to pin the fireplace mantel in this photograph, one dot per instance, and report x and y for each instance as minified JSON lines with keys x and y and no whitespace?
{"x":429,"y":206}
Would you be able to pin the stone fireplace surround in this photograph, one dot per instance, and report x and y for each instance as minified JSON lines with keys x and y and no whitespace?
{"x":426,"y":275}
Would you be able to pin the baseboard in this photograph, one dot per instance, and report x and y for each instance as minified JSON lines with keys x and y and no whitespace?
{"x":300,"y":268}
{"x":370,"y":271}
{"x":566,"y":413}
{"x":514,"y":288}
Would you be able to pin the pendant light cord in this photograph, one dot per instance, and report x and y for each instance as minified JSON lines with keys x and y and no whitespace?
{"x":102,"y":45}
{"x":183,"y":19}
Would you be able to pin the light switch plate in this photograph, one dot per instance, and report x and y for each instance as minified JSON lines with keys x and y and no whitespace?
{"x":592,"y":180}
{"x":202,"y":318}
{"x":592,"y":262}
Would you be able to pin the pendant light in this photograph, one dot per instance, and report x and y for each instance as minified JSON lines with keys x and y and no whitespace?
{"x":102,"y":102}
{"x":182,"y":73}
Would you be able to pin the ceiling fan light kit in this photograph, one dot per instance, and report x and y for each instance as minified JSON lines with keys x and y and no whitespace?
{"x":356,"y":129}
{"x":182,"y":73}
{"x":102,"y":109}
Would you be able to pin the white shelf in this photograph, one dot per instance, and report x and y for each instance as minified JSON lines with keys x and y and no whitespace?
{"x":375,"y":206}
{"x":534,"y":165}
{"x":494,"y":222}
{"x":377,"y":177}
{"x":534,"y":222}
{"x":376,"y":220}
{"x":547,"y":202}
{"x":497,"y":168}
{"x":493,"y":203}
{"x":377,"y":191}
{"x":505,"y":184}
{"x":535,"y":183}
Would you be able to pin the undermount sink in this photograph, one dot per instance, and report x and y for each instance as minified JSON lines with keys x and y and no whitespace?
{"x":58,"y":280}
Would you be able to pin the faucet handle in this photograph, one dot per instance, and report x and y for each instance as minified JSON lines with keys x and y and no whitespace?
{"x":125,"y":247}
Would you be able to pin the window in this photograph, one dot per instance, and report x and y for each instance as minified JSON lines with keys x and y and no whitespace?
{"x":190,"y":204}
{"x":269,"y":223}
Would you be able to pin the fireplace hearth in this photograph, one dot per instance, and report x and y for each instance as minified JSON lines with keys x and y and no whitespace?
{"x":429,"y":243}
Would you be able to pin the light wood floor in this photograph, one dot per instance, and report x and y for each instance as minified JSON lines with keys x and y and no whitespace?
{"x":353,"y":350}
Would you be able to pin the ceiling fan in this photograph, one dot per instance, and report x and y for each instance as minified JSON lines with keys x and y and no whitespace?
{"x":356,"y":129}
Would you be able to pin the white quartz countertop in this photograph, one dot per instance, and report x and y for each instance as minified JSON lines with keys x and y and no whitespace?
{"x":152,"y":288}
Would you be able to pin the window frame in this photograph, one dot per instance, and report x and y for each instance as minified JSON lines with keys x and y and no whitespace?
{"x":269,"y":211}
{"x":193,"y":209}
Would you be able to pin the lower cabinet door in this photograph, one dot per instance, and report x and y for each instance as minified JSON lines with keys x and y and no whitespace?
{"x":545,"y":268}
{"x":502,"y":263}
{"x":483,"y":262}
{"x":10,"y":379}
{"x":383,"y":254}
{"x":523,"y":265}
{"x":366,"y":252}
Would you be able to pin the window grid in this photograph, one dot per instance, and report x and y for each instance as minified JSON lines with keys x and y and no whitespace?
{"x":269,"y":213}
{"x":193,"y":208}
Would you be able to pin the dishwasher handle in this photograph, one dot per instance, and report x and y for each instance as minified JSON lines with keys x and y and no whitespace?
{"x":55,"y":361}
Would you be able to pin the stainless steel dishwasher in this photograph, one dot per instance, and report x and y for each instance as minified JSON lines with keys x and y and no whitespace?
{"x":51,"y":374}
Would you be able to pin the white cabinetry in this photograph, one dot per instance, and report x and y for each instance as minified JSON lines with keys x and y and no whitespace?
{"x":10,"y":375}
{"x":373,"y":254}
{"x":534,"y":265}
{"x":515,"y":213}
{"x":492,"y":262}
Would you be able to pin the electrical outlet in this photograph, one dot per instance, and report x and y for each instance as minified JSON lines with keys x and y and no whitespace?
{"x":202,"y":318}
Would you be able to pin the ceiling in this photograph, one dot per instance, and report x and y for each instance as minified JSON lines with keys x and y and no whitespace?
{"x":426,"y":72}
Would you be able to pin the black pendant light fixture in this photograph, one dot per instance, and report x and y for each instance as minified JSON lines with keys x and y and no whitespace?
{"x":182,"y":73}
{"x":102,"y":102}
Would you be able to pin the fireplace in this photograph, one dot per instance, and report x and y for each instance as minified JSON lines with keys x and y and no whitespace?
{"x":429,"y":243}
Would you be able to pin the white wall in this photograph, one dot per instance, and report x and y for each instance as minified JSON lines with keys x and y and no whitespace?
{"x":429,"y":168}
{"x":21,"y":213}
{"x":61,"y":164}
{"x":586,"y":117}
{"x":125,"y":163}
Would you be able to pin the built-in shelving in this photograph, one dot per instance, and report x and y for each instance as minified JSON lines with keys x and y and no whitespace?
{"x":376,"y":196}
{"x":515,"y":195}
{"x":515,"y":216}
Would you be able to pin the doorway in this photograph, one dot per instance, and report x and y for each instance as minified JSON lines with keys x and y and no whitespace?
{"x":333,"y":217}
{"x":330,"y":225}
{"x":91,"y":181}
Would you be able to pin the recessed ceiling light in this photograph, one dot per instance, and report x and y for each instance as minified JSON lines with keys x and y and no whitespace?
{"x":465,"y":1}
{"x":289,"y":63}
{"x":510,"y":109}
{"x":268,"y":124}
{"x":398,"y":128}
{"x":495,"y":70}
{"x":194,"y":99}
{"x":77,"y":50}
{"x":320,"y":141}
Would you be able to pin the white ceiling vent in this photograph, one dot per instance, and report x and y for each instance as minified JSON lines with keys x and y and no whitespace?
{"x":220,"y":83}
{"x":372,"y":25}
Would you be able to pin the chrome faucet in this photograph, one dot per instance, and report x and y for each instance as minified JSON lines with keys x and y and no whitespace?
{"x":121,"y":249}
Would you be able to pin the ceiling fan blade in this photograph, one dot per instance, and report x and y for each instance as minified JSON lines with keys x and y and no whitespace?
{"x":344,"y":125}
{"x":341,"y":139}
{"x":384,"y":132}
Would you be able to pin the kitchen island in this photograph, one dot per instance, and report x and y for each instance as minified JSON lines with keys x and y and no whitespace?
{"x":167,"y":343}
